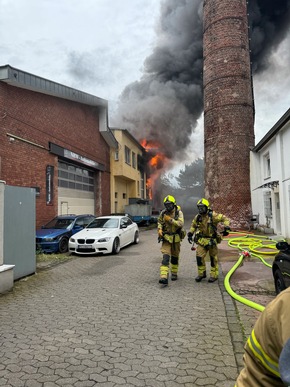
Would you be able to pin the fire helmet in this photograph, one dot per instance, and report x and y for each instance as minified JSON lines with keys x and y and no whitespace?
{"x":203,"y":206}
{"x":169,"y":203}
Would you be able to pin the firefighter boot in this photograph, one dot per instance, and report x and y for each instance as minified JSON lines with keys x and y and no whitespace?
{"x":200,"y":277}
{"x":163,"y":281}
{"x":212,"y":279}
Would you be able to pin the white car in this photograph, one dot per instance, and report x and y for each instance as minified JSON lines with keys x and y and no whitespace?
{"x":105,"y":235}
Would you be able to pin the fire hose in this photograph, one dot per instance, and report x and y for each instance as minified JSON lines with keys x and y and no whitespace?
{"x":249,"y":245}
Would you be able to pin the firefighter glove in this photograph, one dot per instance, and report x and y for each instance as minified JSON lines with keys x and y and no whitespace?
{"x":189,"y":237}
{"x":160,"y":233}
{"x":167,"y":218}
{"x":226,"y":230}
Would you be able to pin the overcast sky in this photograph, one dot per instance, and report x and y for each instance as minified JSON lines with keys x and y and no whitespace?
{"x":99,"y":46}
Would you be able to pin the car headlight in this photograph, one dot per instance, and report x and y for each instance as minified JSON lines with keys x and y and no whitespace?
{"x":101,"y":240}
{"x":72,"y":240}
{"x":48,"y":239}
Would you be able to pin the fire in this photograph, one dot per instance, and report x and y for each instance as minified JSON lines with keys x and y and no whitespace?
{"x":156,"y":162}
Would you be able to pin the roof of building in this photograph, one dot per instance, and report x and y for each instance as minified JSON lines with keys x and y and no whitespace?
{"x":25,"y":80}
{"x":128,"y":134}
{"x":273,"y":131}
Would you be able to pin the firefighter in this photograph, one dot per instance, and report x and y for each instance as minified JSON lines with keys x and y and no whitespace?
{"x":170,"y":228}
{"x":267,"y":350}
{"x":207,"y":237}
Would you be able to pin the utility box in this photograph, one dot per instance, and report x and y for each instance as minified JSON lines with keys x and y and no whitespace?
{"x":19,"y":230}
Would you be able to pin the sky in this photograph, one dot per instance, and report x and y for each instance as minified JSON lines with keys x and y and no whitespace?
{"x":144,"y":57}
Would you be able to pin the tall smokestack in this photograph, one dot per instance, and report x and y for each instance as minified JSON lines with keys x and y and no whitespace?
{"x":228,"y":109}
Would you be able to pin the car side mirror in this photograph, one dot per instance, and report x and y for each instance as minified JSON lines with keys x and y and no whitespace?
{"x":282,"y":246}
{"x":123,"y":226}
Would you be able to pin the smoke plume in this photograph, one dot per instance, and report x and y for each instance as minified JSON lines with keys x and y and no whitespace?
{"x":165,"y":104}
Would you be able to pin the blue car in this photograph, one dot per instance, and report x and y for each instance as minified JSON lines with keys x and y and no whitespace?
{"x":53,"y":237}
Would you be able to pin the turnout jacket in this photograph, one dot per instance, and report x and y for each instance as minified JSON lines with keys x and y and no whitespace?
{"x":205,"y":227}
{"x":263,"y":347}
{"x":172,"y":229}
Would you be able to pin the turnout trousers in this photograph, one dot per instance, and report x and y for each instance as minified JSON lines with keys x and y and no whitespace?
{"x":201,"y":252}
{"x":170,"y":259}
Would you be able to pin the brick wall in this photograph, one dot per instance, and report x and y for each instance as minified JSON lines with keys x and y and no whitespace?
{"x":228,"y":109}
{"x":40,"y":119}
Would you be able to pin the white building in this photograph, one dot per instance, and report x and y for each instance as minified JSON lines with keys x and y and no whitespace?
{"x":270,"y":178}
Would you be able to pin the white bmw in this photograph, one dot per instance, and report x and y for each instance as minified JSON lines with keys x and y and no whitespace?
{"x":105,"y":235}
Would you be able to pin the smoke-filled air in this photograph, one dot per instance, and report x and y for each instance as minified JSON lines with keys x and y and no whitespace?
{"x":162,"y":108}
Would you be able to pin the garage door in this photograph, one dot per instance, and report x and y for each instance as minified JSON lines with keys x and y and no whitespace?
{"x":75,"y":190}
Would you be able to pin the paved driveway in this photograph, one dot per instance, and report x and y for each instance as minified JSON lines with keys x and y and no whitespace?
{"x":105,"y":321}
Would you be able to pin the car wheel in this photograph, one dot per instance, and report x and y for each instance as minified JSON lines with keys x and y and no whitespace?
{"x":116,"y":246}
{"x":63,"y":245}
{"x":136,"y":237}
{"x":279,"y":281}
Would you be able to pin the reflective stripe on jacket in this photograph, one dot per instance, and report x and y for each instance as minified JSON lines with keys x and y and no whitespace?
{"x":264,"y":346}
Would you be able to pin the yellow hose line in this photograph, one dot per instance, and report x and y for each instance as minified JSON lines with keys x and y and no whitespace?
{"x":235,"y":295}
{"x":249,"y":245}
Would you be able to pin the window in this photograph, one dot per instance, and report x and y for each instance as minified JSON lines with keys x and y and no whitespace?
{"x":142,"y":188}
{"x":117,"y":155}
{"x":70,"y":176}
{"x":267,"y":166}
{"x":127,"y":155}
{"x":268,"y":204}
{"x":134,"y":160}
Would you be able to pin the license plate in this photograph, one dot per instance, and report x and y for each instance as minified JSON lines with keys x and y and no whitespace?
{"x":84,"y":247}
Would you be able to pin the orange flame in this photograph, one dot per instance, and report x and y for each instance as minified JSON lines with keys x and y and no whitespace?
{"x":156,"y":162}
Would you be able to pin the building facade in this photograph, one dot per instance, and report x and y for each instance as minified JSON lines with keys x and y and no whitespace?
{"x":270,"y":178}
{"x":128,"y":175}
{"x":55,"y":139}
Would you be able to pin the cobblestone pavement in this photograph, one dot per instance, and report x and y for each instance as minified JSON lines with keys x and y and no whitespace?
{"x":105,"y":321}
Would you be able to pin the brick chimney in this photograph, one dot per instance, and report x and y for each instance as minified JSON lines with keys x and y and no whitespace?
{"x":228,"y":109}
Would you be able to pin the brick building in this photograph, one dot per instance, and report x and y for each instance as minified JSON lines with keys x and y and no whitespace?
{"x":55,"y":139}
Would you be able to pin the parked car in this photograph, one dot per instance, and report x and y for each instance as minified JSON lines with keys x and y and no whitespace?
{"x":53,"y":237}
{"x":105,"y":235}
{"x":281,"y":267}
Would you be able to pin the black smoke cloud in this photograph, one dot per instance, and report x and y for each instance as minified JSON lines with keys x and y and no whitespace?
{"x":269,"y":23}
{"x":165,"y":104}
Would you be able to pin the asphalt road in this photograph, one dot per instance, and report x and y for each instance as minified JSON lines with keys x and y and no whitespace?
{"x":105,"y":321}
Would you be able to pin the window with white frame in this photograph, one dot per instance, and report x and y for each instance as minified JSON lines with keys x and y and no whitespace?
{"x":267,"y":166}
{"x":127,"y":155}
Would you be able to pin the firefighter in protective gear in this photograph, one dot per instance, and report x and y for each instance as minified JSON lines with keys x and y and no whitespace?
{"x":207,"y":237}
{"x":267,"y":350}
{"x":170,"y":224}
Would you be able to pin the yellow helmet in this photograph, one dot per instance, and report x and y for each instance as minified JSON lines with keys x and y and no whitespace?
{"x":169,"y":198}
{"x":169,"y":203}
{"x":203,"y":206}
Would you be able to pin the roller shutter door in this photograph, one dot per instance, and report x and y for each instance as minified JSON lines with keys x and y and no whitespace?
{"x":76,"y":189}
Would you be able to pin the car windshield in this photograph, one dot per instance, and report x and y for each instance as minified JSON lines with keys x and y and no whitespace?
{"x":59,"y":223}
{"x":104,"y":223}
